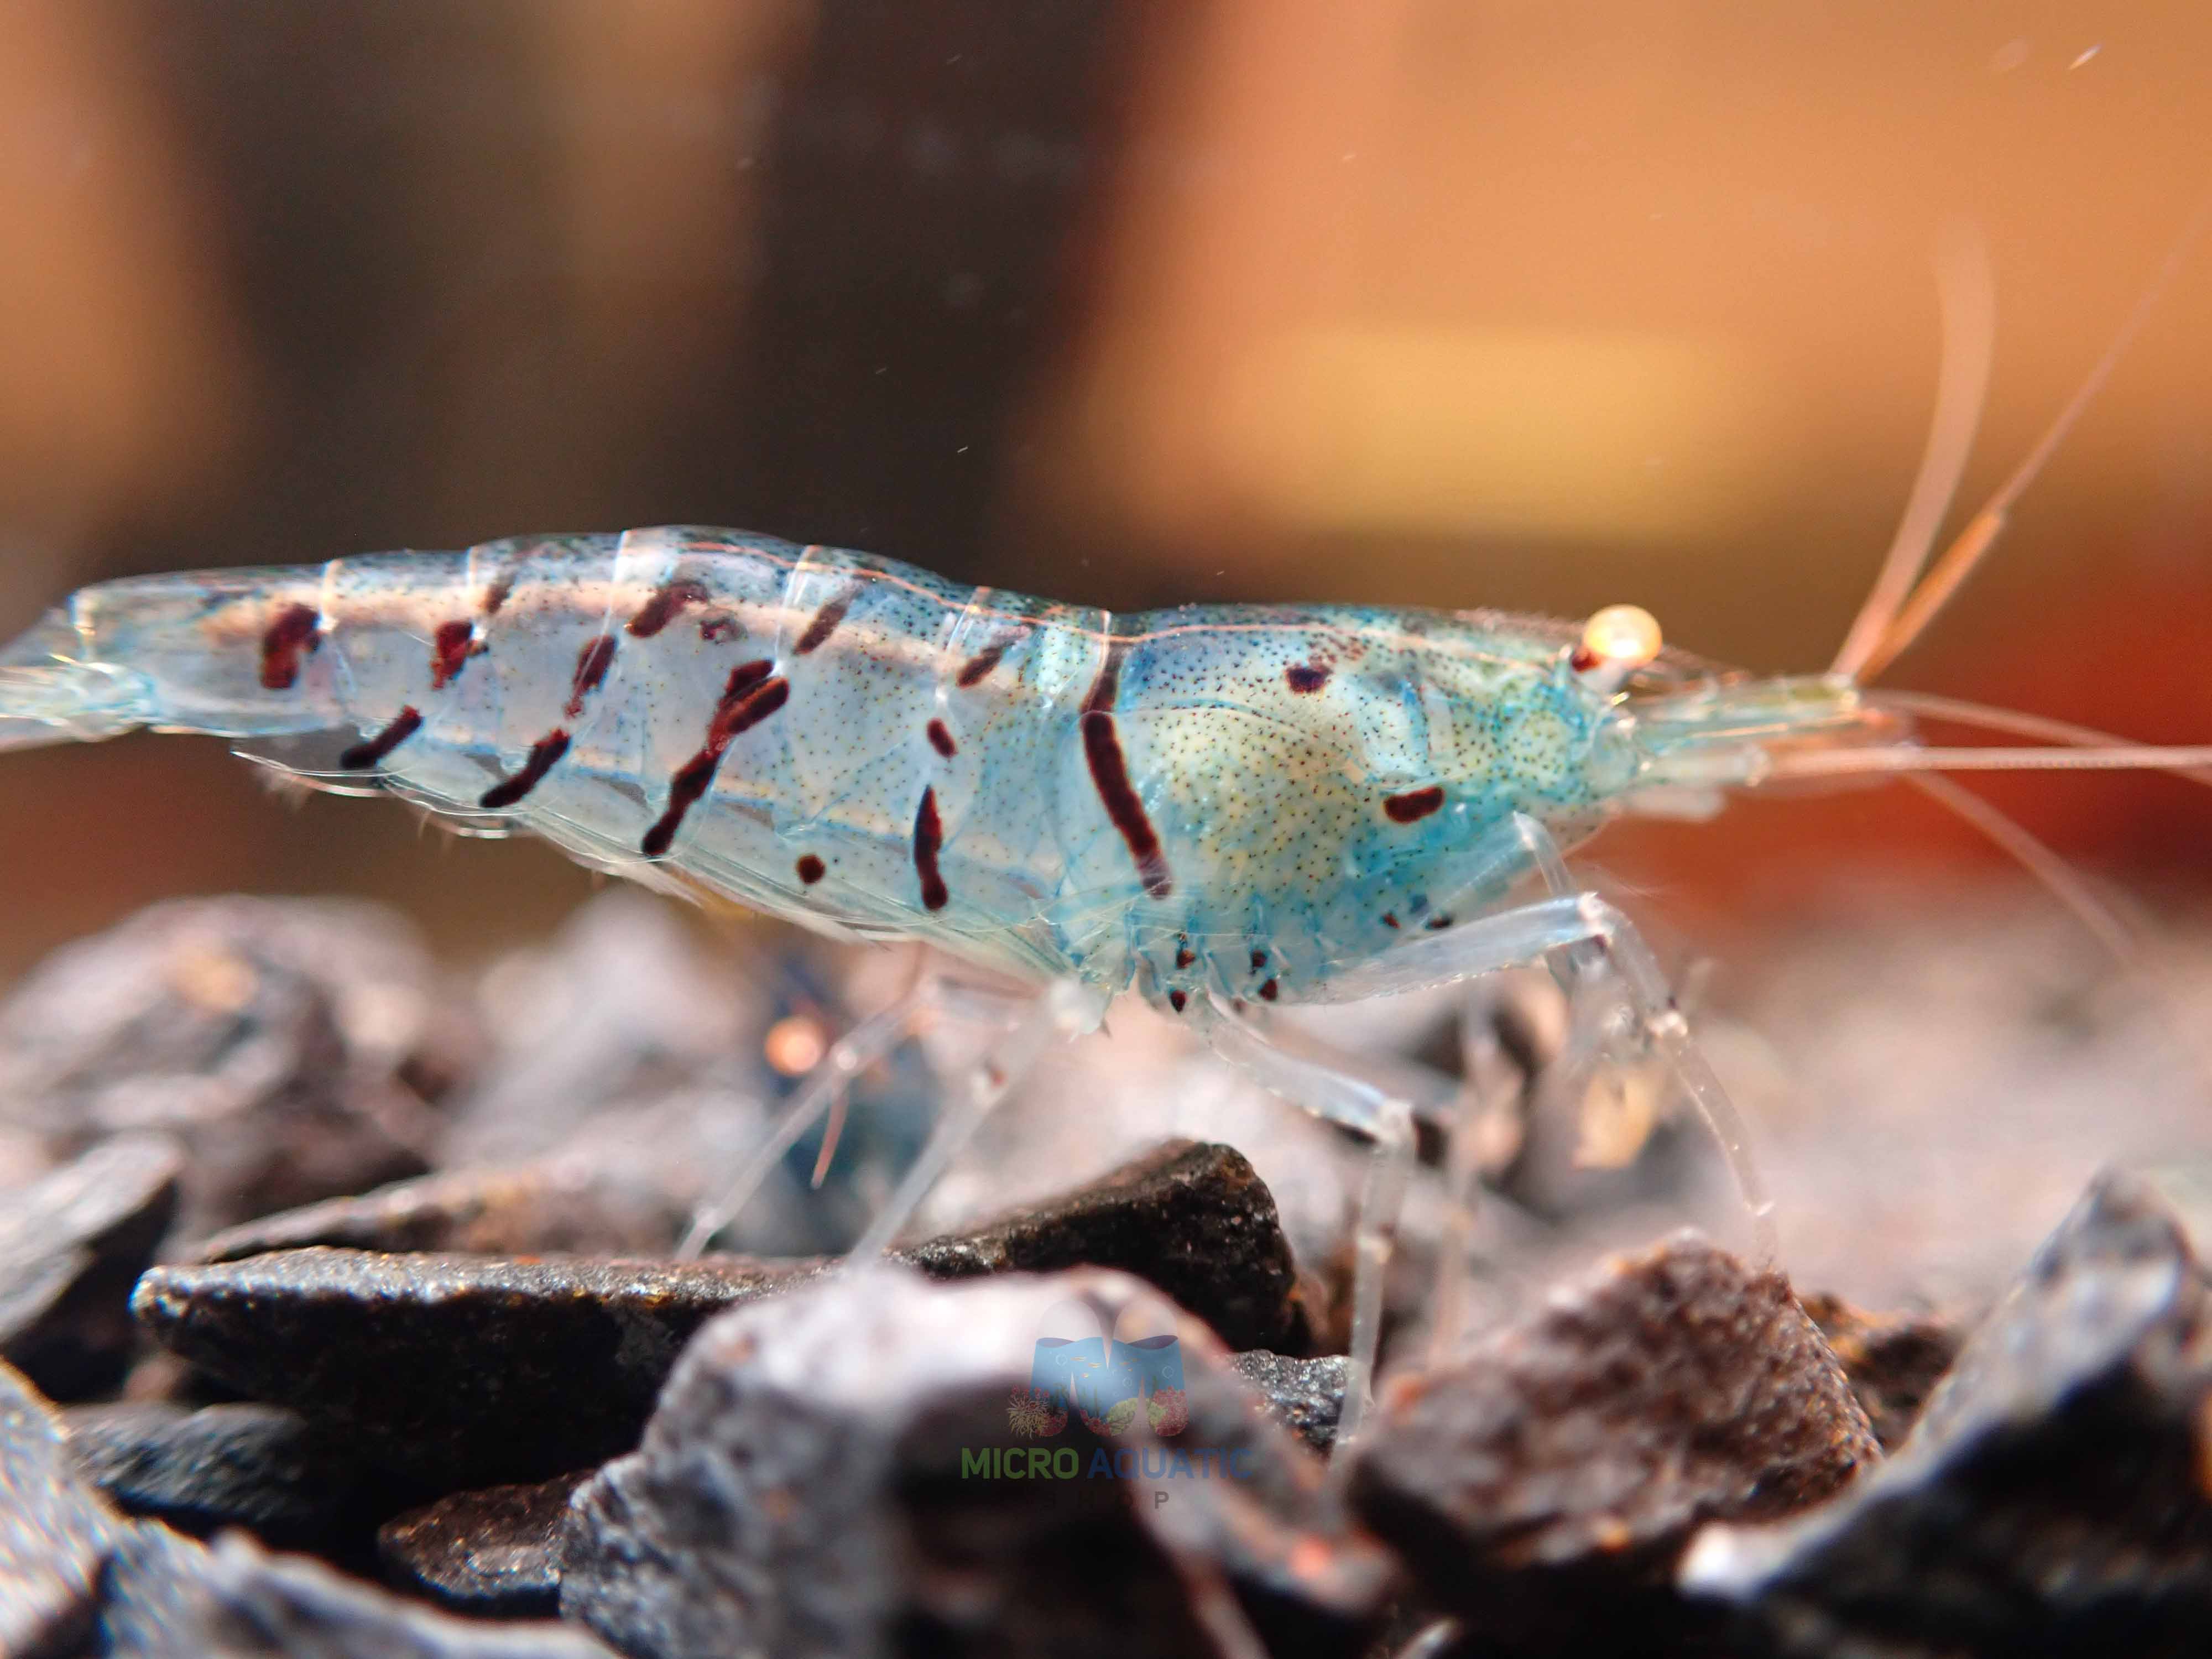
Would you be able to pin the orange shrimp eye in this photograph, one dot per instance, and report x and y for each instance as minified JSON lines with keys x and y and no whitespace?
{"x":1617,"y":641}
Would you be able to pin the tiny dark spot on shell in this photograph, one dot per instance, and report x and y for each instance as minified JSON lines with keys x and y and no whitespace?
{"x":297,"y":632}
{"x":826,"y":622}
{"x":1390,"y":920}
{"x":1259,"y":960}
{"x":669,"y":599}
{"x":1185,"y":956}
{"x":1414,"y":804}
{"x":977,"y":668}
{"x":940,"y":740}
{"x":1267,"y":991}
{"x":1306,"y":677}
{"x":449,"y":650}
{"x":811,"y":869}
{"x":1178,"y":1001}
{"x":1438,"y":922}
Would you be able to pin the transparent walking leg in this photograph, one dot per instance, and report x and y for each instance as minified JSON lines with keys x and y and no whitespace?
{"x":1068,"y":1008}
{"x":870,"y":1041}
{"x":1337,"y":1092}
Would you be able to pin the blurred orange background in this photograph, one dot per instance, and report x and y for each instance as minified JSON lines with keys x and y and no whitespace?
{"x":1536,"y":305}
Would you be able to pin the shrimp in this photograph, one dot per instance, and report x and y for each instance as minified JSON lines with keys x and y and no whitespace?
{"x":1218,"y":808}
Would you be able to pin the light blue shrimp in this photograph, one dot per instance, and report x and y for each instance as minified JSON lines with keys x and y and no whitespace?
{"x":1212,"y":806}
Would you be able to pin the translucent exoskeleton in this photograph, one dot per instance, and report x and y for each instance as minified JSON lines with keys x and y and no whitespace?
{"x":1217,"y":808}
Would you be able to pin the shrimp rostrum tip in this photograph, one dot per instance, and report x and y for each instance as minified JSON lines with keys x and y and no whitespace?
{"x":1218,"y":807}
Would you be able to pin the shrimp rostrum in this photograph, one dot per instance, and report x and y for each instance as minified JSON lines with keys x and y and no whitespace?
{"x":1216,"y":808}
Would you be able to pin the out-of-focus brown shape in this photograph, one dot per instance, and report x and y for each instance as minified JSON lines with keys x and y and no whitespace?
{"x":119,"y":364}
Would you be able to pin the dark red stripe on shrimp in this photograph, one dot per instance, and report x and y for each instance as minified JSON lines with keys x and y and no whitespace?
{"x":592,"y":664}
{"x":1109,"y":772}
{"x":928,"y":841}
{"x":825,"y":623}
{"x":668,"y":600}
{"x":450,"y":647}
{"x":1414,"y":804}
{"x":544,"y":754}
{"x":370,"y":751}
{"x":977,"y":668}
{"x":295,"y":633}
{"x":940,"y":740}
{"x":751,"y":695}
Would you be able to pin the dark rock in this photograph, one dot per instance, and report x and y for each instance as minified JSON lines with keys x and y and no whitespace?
{"x":551,"y":1206}
{"x":54,"y":1530}
{"x":272,"y":1038}
{"x":2053,"y":1499}
{"x":1304,"y":1396}
{"x":1189,"y":1217}
{"x":72,"y":1245}
{"x":1894,"y":1361}
{"x":464,"y":1371}
{"x":167,"y":1597}
{"x":475,"y":1369}
{"x":1547,"y":1483}
{"x":825,"y":1475}
{"x":258,"y":1466}
{"x":486,"y":1552}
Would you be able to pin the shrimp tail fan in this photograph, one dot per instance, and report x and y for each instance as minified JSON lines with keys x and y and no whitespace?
{"x":49,"y":694}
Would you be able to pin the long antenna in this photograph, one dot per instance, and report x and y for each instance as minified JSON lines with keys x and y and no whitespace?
{"x":1960,"y":558}
{"x":1966,"y":295}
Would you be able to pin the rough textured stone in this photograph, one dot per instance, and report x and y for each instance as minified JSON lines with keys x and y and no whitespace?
{"x":816,"y":1482}
{"x":2053,"y":1499}
{"x":167,"y":1597}
{"x":258,"y":1466}
{"x":1893,"y":1361}
{"x":1547,"y":1483}
{"x":71,"y":1245}
{"x":488,"y":1552}
{"x":1306,"y":1396}
{"x":280,"y":1039}
{"x":1188,"y":1216}
{"x":462,"y":1369}
{"x":54,"y":1530}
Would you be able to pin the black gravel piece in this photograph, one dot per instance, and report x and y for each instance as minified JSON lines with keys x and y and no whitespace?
{"x":550,"y":1208}
{"x":1894,"y":1361}
{"x":1546,"y":1484}
{"x":490,"y":1552}
{"x":71,"y":1245}
{"x":1306,"y":1396}
{"x":262,"y":1468}
{"x":826,"y":1475}
{"x":475,"y":1369}
{"x":1189,"y":1217}
{"x":456,"y":1370}
{"x":2053,"y":1499}
{"x":167,"y":1597}
{"x":54,"y":1532}
{"x":280,"y":1039}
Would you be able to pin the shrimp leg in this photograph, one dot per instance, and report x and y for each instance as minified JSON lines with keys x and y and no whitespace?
{"x":873,"y":1039}
{"x":1590,"y":934}
{"x":1579,"y":922}
{"x":1333,"y":1090}
{"x":1066,"y":1009}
